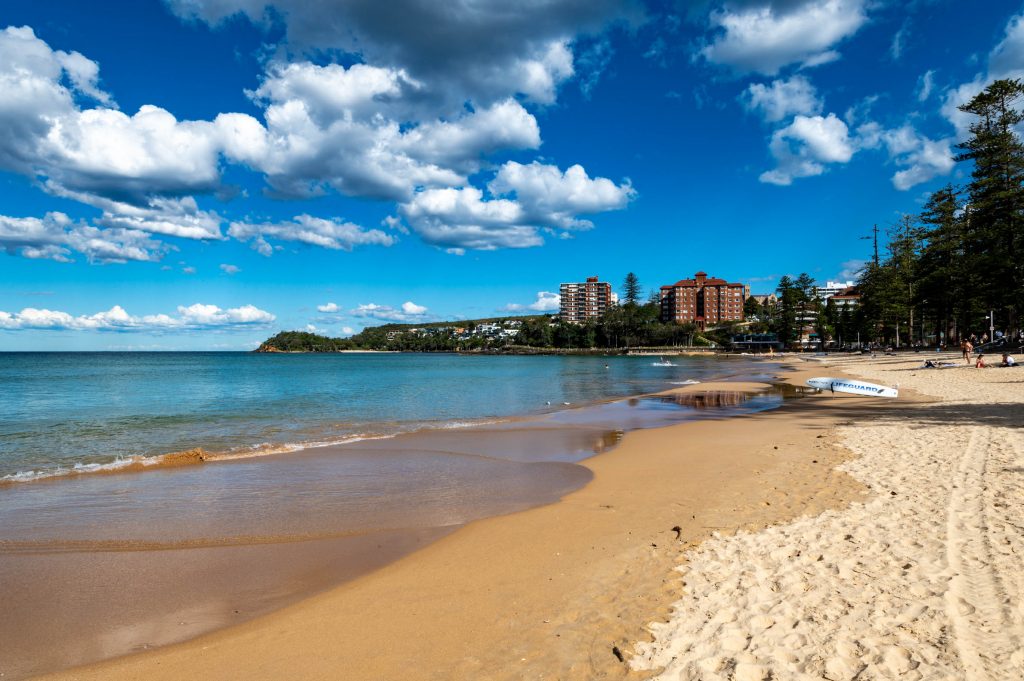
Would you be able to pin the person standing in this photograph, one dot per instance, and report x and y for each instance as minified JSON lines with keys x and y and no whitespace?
{"x":967,"y":348}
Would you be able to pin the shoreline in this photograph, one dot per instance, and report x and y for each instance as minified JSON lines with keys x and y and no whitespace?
{"x":519,"y":575}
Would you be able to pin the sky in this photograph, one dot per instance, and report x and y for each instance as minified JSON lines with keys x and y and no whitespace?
{"x":200,"y":174}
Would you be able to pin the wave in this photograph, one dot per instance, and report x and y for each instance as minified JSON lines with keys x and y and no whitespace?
{"x":198,"y":455}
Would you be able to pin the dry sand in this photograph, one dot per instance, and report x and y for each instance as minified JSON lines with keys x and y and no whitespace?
{"x":923,"y":580}
{"x":557,"y":592}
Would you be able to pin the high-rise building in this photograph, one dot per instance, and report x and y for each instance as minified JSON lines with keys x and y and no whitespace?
{"x":585,"y":300}
{"x":702,"y":301}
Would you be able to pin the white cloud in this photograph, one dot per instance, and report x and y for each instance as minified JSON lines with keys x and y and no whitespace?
{"x":405,"y":122}
{"x":921,"y":158}
{"x":764,"y":38}
{"x":850,"y":270}
{"x":230,"y":269}
{"x":899,"y":41}
{"x":546,"y":302}
{"x":409,"y":312}
{"x":802,"y":148}
{"x":192,"y":317}
{"x":347,"y":331}
{"x":526,"y":199}
{"x":1006,"y":60}
{"x":782,"y":99}
{"x":925,"y":85}
{"x":309,"y":230}
{"x":56,"y":237}
{"x":329,"y":307}
{"x":188,"y":270}
{"x":311,"y":328}
{"x":411,"y":308}
{"x":485,"y":52}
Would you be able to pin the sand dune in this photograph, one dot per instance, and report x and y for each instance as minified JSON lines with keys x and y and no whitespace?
{"x":925,"y":580}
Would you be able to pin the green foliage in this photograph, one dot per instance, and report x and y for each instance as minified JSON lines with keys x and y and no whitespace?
{"x":964,"y":254}
{"x":631,"y":290}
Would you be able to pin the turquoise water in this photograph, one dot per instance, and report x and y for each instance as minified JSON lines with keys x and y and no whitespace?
{"x":67,"y":410}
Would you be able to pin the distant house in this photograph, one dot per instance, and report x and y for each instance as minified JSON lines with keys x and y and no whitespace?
{"x":847,"y":298}
{"x":832,"y":288}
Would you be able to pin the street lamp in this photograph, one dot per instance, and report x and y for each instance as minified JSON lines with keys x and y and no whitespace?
{"x":991,"y":326}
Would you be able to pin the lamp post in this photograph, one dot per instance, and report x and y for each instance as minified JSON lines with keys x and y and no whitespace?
{"x":991,"y":326}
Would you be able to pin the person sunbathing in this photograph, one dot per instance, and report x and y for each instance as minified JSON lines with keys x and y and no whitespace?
{"x":980,"y":364}
{"x":1008,"y":361}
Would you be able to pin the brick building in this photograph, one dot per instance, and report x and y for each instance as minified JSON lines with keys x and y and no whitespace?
{"x":585,"y":300}
{"x":702,"y":301}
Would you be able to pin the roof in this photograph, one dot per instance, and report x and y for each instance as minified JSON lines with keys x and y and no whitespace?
{"x":692,"y":283}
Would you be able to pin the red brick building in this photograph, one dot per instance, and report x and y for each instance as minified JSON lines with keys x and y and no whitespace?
{"x":702,"y":301}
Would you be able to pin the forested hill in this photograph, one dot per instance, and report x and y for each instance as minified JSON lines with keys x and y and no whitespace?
{"x":433,"y":336}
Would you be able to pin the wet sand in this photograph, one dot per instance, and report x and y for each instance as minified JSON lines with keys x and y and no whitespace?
{"x":558,"y":591}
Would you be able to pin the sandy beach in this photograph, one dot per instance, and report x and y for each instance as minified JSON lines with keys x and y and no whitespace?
{"x":923,"y":579}
{"x":559,"y":591}
{"x":835,"y":538}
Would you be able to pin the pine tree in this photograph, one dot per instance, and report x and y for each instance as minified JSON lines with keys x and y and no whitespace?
{"x":631,"y":290}
{"x":994,"y":235}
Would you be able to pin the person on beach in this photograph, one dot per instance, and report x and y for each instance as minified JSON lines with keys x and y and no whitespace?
{"x":966,"y":348}
{"x":1008,"y":360}
{"x":980,"y":364}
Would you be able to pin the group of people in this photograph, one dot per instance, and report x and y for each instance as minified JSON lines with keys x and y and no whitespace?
{"x":967,"y":348}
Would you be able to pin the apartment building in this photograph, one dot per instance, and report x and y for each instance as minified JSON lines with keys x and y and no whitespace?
{"x":585,"y":300}
{"x":703,"y":301}
{"x":832,"y":288}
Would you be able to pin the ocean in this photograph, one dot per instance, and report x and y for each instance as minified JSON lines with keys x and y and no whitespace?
{"x":67,"y":412}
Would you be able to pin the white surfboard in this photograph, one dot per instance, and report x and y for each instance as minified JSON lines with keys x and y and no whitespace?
{"x":852,"y":386}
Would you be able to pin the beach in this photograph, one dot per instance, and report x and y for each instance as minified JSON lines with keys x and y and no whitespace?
{"x":558,"y":591}
{"x":921,"y":579}
{"x":834,"y":537}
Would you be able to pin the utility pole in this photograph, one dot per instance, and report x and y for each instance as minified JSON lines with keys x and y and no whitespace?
{"x":874,"y":238}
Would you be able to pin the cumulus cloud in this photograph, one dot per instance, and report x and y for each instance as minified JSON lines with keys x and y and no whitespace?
{"x":411,"y":308}
{"x":56,"y":237}
{"x":405,"y":122}
{"x":483,"y":53}
{"x":767,"y":36}
{"x":309,"y":230}
{"x":193,"y":317}
{"x":409,"y":312}
{"x":802,"y":148}
{"x":230,"y":269}
{"x":1006,"y":60}
{"x":546,"y":302}
{"x":921,"y":158}
{"x":782,"y":99}
{"x":329,"y":307}
{"x":525,"y":199}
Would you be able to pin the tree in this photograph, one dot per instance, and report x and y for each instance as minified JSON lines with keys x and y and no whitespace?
{"x":785,"y":320}
{"x":994,"y":240}
{"x":945,"y":280}
{"x":631,"y":290}
{"x":752,"y":309}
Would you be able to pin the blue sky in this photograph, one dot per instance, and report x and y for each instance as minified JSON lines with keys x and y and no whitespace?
{"x":198,"y":174}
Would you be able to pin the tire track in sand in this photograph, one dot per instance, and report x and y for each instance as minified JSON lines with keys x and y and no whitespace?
{"x":977,"y":600}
